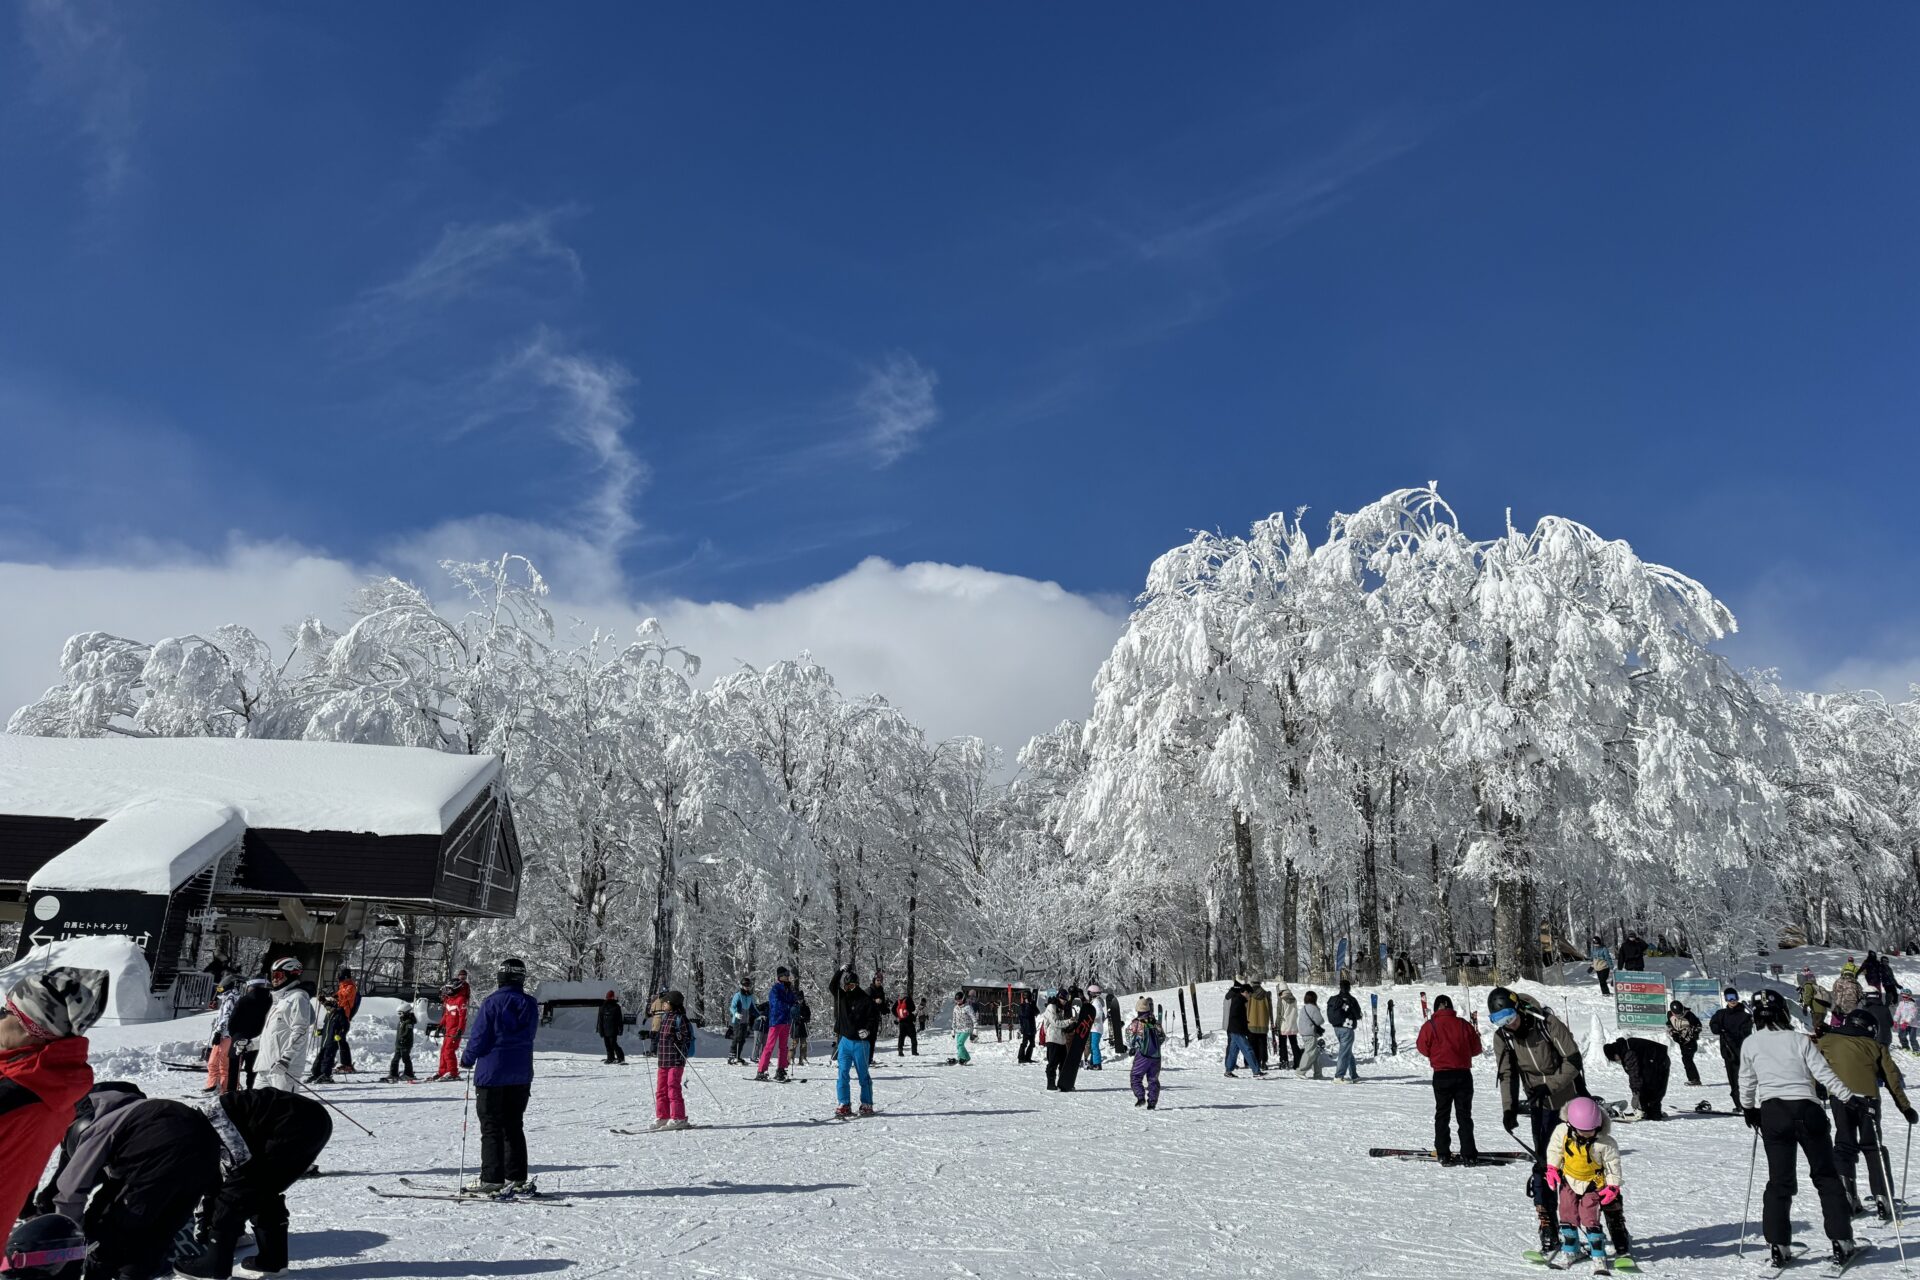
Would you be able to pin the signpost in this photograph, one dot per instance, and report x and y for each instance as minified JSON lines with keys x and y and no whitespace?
{"x":1640,"y":1000}
{"x":85,"y":913}
{"x":1702,"y":995}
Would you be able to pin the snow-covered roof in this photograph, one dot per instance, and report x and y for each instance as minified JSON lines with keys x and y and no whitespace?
{"x":173,"y":805}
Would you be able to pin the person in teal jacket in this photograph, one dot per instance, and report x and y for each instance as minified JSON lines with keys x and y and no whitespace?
{"x":740,"y":1021}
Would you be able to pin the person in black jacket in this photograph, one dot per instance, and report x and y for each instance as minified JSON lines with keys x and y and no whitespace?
{"x":1683,"y":1028}
{"x":1648,"y":1066}
{"x":145,"y":1162}
{"x":907,"y":1014}
{"x":1633,"y":953}
{"x":270,"y":1137}
{"x":608,"y":1024}
{"x":856,"y":1021}
{"x":402,"y":1047}
{"x":1080,"y":1017}
{"x":1877,"y":973}
{"x":1029,"y":1017}
{"x":1733,"y":1024}
{"x":244,"y":1025}
{"x":1876,"y":1008}
{"x":1343,"y":1015}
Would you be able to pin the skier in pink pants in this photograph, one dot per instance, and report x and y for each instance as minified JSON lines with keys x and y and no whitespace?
{"x":780,"y":1005}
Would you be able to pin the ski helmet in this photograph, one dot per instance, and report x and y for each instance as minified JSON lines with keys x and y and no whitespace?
{"x":1730,"y":995}
{"x":1502,"y":1008}
{"x":513,"y":972}
{"x":286,"y":969}
{"x":1858,"y":1020}
{"x":1770,"y":1011}
{"x":1583,"y":1113}
{"x":43,"y":1247}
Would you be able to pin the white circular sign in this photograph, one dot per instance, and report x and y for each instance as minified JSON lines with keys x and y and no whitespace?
{"x":46,"y":907}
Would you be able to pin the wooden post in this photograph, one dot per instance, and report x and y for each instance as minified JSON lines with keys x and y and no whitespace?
{"x":1185,"y":1040}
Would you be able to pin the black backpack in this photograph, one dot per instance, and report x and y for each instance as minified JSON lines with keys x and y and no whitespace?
{"x":249,"y":1016}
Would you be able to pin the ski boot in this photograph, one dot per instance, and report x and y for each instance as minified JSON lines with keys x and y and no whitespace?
{"x":1853,"y":1203}
{"x":679,"y":1124}
{"x":1843,"y":1251}
{"x":1779,"y":1255}
{"x":866,"y":1109}
{"x":1597,"y":1252}
{"x":780,"y":1076}
{"x":843,"y":1113}
{"x":1883,"y":1206}
{"x":1561,"y":1253}
{"x":482,"y":1187}
{"x":1139,"y":1102}
{"x":1152,"y":1105}
{"x":760,"y":1076}
{"x":660,"y":1124}
{"x":525,"y":1187}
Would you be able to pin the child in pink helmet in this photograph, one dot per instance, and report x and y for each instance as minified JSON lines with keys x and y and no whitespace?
{"x":1583,"y":1166}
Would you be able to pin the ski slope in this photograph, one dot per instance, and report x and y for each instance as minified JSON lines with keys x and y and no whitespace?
{"x":978,"y":1171}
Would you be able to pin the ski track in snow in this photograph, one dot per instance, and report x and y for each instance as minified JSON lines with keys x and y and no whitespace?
{"x":979,"y":1172}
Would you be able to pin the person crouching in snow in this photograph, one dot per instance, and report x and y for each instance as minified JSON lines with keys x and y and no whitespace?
{"x":43,"y":1072}
{"x":1583,"y":1167}
{"x":1144,"y":1039}
{"x":674,"y":1045}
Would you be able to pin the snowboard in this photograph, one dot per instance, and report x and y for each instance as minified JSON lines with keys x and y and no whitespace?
{"x":1416,"y":1153}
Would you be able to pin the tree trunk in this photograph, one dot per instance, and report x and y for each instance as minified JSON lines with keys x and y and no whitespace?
{"x":1253,"y":952}
{"x":1289,"y":920}
{"x":913,"y":929}
{"x":1319,"y":960}
{"x":1368,"y":968}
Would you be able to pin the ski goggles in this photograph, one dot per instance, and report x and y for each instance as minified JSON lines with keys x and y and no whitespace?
{"x":22,"y":1261}
{"x":1503,"y":1017}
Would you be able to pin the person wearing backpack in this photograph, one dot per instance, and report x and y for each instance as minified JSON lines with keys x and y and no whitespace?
{"x":905,"y":1014}
{"x":1144,"y":1039}
{"x":1343,"y":1015}
{"x":673,"y":1045}
{"x":244,"y":1027}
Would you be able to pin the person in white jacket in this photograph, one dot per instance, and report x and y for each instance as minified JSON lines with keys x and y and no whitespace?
{"x":1779,"y":1071}
{"x":966,"y":1020}
{"x":1286,"y":1026}
{"x":1309,"y":1023}
{"x":288,"y":1039}
{"x":1056,"y":1028}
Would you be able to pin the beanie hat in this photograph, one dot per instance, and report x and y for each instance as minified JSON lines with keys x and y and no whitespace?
{"x":60,"y":1002}
{"x":611,"y":996}
{"x":1143,"y":1005}
{"x":784,"y":972}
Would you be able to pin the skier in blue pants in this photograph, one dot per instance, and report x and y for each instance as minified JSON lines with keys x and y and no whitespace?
{"x":856,"y":1020}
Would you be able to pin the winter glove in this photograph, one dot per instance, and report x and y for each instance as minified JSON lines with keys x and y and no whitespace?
{"x":1510,"y":1121}
{"x":1911,"y":1115}
{"x":1553,"y":1178}
{"x":1753,"y":1117}
{"x":1609,"y":1195}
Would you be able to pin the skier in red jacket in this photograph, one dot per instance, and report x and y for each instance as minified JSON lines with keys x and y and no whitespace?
{"x":1450,"y":1043}
{"x":43,"y":1072}
{"x":453,"y":1025}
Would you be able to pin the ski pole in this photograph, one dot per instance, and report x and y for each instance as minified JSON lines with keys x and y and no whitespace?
{"x":466,"y":1104}
{"x":323,"y":1097}
{"x":1746,"y":1206}
{"x":704,"y":1085}
{"x":1906,"y":1163}
{"x":1886,"y":1163}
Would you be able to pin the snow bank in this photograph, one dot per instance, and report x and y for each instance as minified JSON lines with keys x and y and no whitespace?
{"x":297,"y":786}
{"x":128,"y":1000}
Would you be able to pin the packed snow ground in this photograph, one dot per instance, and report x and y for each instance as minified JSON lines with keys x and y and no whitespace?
{"x":979,"y":1171}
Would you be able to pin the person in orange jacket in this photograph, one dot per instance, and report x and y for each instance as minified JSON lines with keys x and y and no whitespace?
{"x":43,"y":1072}
{"x":453,"y":1025}
{"x":346,"y":996}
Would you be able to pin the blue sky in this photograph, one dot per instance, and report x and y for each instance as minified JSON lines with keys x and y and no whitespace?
{"x":711,"y":306}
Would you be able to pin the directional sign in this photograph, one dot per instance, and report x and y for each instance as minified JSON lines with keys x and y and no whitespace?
{"x":1640,"y":1000}
{"x":67,"y":913}
{"x":1702,"y":995}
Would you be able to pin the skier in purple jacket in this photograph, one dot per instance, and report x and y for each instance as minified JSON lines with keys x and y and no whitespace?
{"x":499,"y":1048}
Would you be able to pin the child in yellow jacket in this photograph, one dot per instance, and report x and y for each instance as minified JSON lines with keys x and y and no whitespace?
{"x":1583,"y":1166}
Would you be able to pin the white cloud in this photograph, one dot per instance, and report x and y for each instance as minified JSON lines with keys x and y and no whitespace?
{"x":895,"y":407}
{"x":84,"y":68}
{"x":960,"y":649}
{"x":468,"y":256}
{"x":1894,"y":678}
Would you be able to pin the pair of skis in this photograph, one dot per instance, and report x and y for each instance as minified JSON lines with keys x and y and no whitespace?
{"x":421,"y":1191}
{"x":1416,"y":1153}
{"x":1561,"y":1260}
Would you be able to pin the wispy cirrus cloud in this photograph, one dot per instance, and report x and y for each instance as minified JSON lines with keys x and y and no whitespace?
{"x":469,"y":257}
{"x":474,"y":103}
{"x":894,"y":407}
{"x":83,"y":68}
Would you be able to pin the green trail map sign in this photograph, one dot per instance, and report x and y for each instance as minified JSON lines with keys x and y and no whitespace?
{"x":1640,"y":1000}
{"x":1702,"y":995}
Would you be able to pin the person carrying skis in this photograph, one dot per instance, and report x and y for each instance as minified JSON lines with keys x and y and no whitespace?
{"x":154,"y":1161}
{"x":740,"y":1022}
{"x":1239,"y":1047}
{"x":1780,"y":1073}
{"x":1144,"y":1039}
{"x":1054,"y":1025}
{"x":269,"y":1138}
{"x":500,"y":1051}
{"x":1343,"y":1015}
{"x":1583,"y":1171}
{"x":1732,"y":1024}
{"x":1683,"y":1028}
{"x":454,"y":1000}
{"x":1648,"y":1066}
{"x":1862,"y":1063}
{"x":1286,"y":1028}
{"x":1259,"y":1022}
{"x":1029,"y":1025}
{"x":905,"y":1014}
{"x":1905,"y":1015}
{"x":965,"y":1022}
{"x":288,"y":1036}
{"x":1310,"y":1023}
{"x":402,"y":1047}
{"x":1600,"y":960}
{"x":346,"y":998}
{"x":1450,"y":1043}
{"x":1537,"y":1062}
{"x":673,"y":1045}
{"x":856,"y":1021}
{"x":245,"y":1025}
{"x":780,"y":1004}
{"x":43,"y":1071}
{"x":609,"y":1021}
{"x":227,"y":994}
